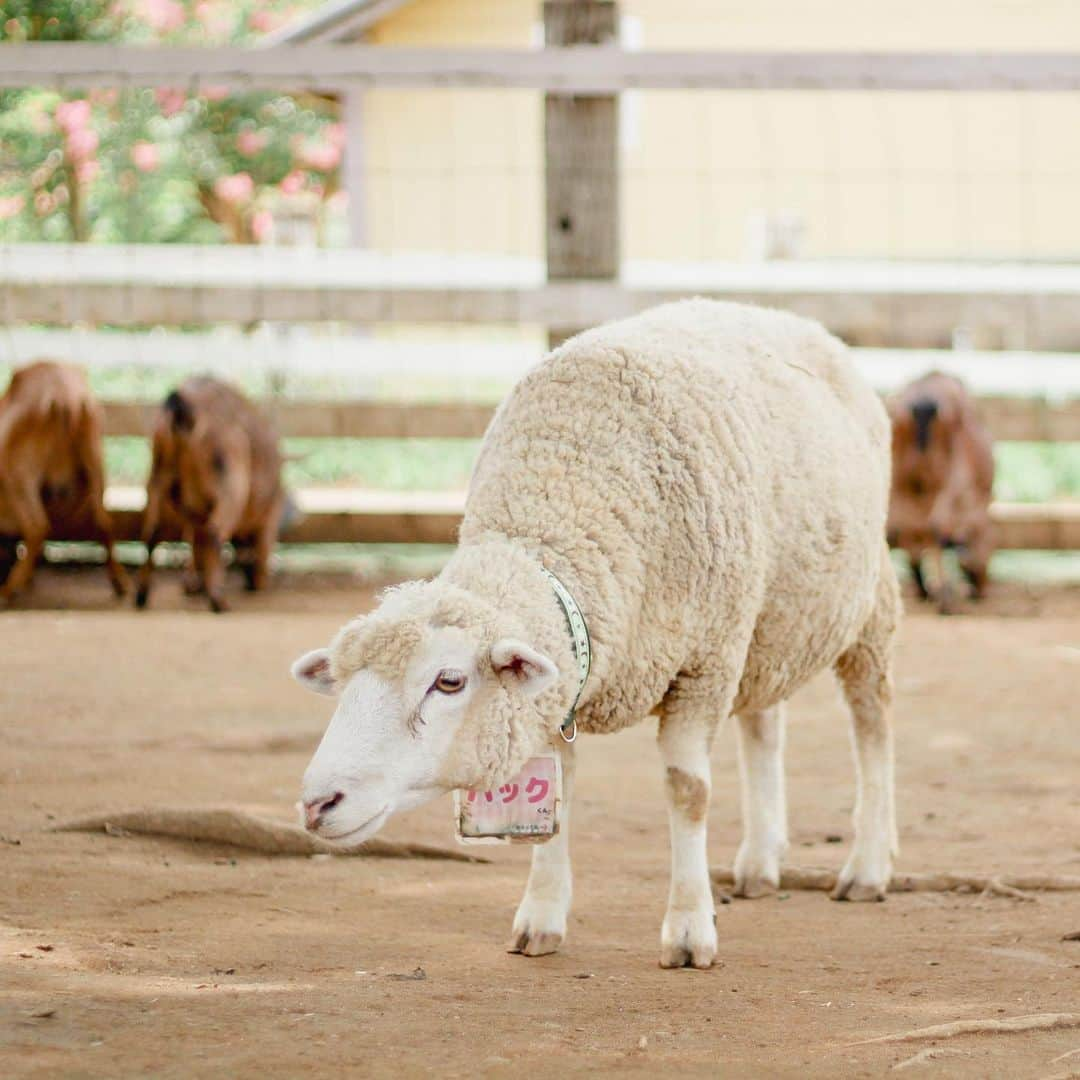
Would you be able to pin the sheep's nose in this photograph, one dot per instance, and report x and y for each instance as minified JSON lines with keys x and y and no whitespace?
{"x":315,"y":809}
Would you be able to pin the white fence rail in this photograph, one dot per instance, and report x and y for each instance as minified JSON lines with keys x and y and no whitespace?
{"x":911,"y":305}
{"x":581,"y":69}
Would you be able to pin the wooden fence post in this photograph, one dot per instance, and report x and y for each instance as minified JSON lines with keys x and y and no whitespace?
{"x":581,"y":159}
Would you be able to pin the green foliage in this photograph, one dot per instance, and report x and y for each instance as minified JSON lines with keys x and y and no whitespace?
{"x":161,"y":165}
{"x":59,"y":20}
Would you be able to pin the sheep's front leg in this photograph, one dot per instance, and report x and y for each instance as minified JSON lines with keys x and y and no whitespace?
{"x":688,"y":936}
{"x":540,"y":922}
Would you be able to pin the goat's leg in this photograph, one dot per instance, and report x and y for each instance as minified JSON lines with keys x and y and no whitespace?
{"x":208,"y":542}
{"x":24,"y":498}
{"x":915,"y":558}
{"x":103,"y":525}
{"x":975,"y":557}
{"x":943,"y":585}
{"x":764,"y":803}
{"x":192,"y":581}
{"x":265,"y":538}
{"x":151,"y":535}
{"x":688,"y":935}
{"x":865,"y":674}
{"x":540,"y":922}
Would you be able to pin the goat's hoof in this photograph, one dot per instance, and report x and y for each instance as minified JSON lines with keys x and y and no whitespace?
{"x":141,"y":596}
{"x":688,"y":939}
{"x":218,"y":605}
{"x":192,"y":585}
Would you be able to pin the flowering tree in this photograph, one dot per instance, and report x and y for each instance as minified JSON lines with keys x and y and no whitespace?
{"x":165,"y":165}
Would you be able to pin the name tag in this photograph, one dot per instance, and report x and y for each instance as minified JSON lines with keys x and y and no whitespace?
{"x":524,"y":810}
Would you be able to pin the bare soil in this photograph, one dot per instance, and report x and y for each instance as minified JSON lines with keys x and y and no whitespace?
{"x":124,"y":956}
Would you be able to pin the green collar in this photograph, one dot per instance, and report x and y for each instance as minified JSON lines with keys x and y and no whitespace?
{"x":581,"y":644}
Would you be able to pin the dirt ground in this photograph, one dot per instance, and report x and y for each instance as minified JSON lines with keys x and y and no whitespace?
{"x":136,"y":956}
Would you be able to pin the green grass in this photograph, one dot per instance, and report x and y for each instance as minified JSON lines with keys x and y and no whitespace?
{"x":380,"y":464}
{"x":1026,"y":472}
{"x":1037,"y":472}
{"x":383,"y":464}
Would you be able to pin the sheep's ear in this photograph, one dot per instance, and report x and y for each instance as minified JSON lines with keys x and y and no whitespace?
{"x":530,"y":670}
{"x":312,"y":670}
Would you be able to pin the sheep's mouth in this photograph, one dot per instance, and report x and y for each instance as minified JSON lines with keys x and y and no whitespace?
{"x":360,"y":832}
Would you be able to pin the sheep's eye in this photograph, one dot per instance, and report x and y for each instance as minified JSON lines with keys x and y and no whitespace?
{"x":449,"y":682}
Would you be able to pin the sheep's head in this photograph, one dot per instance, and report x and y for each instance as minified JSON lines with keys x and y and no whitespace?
{"x":436,"y":690}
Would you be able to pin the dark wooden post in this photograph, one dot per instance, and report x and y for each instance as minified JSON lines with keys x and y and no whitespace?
{"x":581,"y":147}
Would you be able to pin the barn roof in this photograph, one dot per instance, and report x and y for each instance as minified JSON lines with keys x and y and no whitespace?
{"x":340,"y":20}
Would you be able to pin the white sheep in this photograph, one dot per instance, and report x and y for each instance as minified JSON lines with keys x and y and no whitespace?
{"x":709,"y":481}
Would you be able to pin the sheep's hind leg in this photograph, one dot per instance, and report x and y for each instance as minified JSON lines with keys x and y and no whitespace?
{"x":540,"y":922}
{"x":688,"y":935}
{"x":764,"y":804}
{"x":865,"y":674}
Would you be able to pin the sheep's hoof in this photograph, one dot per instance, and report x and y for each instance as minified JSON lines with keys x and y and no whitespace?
{"x":850,"y":888}
{"x":753,"y":888}
{"x":539,"y":927}
{"x":757,"y":872}
{"x":218,"y":605}
{"x":527,"y":943}
{"x":688,"y":939}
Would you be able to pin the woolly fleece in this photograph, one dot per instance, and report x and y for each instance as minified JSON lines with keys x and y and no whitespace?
{"x":710,"y":482}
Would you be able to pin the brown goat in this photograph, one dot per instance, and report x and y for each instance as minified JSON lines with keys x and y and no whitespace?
{"x":217,"y":470}
{"x":943,"y":476}
{"x":52,"y":476}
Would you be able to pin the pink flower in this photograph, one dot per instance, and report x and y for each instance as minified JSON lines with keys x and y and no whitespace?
{"x":86,"y":171}
{"x":237,"y":188}
{"x":250,"y":143}
{"x":43,"y":203}
{"x":322,"y":157}
{"x":335,"y":135}
{"x":216,"y":19}
{"x":146,"y":156}
{"x":293,"y":183}
{"x":262,"y":21}
{"x":170,"y":100}
{"x":214,"y":93}
{"x":262,"y":222}
{"x":11,"y":206}
{"x":164,"y":16}
{"x":73,"y":115}
{"x":82,"y":143}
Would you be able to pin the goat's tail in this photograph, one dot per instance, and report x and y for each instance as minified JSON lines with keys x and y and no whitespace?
{"x":923,"y":411}
{"x":181,"y":414}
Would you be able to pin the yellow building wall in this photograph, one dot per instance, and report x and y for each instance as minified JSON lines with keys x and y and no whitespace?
{"x":915,"y":175}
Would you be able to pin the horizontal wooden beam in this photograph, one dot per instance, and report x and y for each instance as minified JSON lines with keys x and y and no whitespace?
{"x":1010,"y":419}
{"x":1042,"y":321}
{"x":337,"y":419}
{"x":1037,"y":526}
{"x":582,"y":69}
{"x":361,"y":517}
{"x":905,"y":304}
